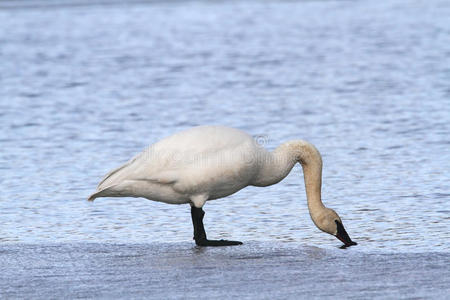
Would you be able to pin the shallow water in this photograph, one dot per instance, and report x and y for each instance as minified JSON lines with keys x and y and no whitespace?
{"x":85,"y":87}
{"x":262,"y":270}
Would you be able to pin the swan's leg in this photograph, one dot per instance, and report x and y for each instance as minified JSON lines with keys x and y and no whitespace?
{"x":199,"y":231}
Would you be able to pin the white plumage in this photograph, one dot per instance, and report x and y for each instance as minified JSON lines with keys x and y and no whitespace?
{"x":210,"y":162}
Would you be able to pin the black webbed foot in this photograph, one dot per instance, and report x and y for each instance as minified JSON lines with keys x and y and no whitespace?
{"x":216,"y":243}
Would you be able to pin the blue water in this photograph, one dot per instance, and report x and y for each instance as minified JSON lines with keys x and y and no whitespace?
{"x":255,"y":270}
{"x":84,"y":86}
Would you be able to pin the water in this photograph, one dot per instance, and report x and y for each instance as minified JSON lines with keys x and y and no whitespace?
{"x":84,"y":87}
{"x":252,"y":271}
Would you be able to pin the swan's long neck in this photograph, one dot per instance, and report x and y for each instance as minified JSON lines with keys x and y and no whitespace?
{"x":311,"y":161}
{"x":279,"y":163}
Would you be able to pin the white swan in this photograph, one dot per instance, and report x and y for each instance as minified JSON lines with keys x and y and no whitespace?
{"x":210,"y":162}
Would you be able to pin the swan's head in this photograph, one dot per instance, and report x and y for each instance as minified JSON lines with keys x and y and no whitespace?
{"x":330,"y":222}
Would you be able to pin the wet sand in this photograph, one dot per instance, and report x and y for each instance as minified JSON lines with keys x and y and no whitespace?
{"x":253,"y":270}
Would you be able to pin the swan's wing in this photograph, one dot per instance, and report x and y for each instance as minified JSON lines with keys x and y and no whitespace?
{"x":188,"y":150}
{"x":165,"y":178}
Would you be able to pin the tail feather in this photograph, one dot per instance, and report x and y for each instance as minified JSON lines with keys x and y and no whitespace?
{"x":100,"y":193}
{"x":92,"y":197}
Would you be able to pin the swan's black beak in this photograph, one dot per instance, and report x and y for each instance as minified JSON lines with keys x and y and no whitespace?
{"x":343,"y":235}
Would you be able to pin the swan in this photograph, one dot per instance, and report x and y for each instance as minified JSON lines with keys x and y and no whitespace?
{"x":211,"y":162}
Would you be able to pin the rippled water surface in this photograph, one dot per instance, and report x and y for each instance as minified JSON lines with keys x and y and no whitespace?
{"x":85,"y":87}
{"x":255,"y":270}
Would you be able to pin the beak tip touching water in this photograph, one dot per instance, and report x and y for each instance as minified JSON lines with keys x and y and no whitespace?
{"x":343,"y":236}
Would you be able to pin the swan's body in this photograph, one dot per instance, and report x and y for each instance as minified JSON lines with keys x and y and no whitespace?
{"x":210,"y":162}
